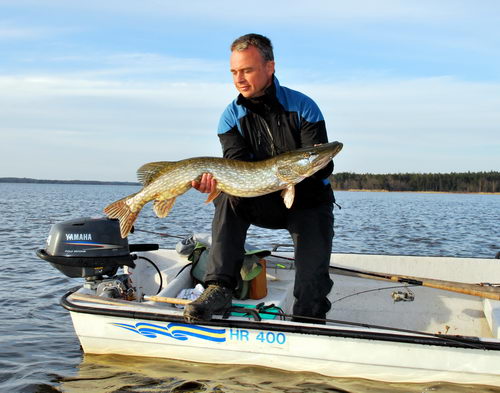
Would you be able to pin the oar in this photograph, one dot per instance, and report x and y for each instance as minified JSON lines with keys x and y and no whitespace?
{"x":121,"y":302}
{"x":468,"y":289}
{"x":171,"y":300}
{"x":452,"y":286}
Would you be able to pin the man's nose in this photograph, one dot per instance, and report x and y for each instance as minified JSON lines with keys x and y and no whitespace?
{"x":239,"y":77}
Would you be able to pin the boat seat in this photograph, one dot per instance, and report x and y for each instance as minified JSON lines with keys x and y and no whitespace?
{"x":182,"y":281}
{"x":279,"y":291}
{"x":492,"y":313}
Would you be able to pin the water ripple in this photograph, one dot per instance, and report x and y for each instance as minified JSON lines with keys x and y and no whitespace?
{"x":39,"y":349}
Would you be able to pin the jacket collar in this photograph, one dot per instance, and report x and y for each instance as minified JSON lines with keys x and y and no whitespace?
{"x":269,"y":99}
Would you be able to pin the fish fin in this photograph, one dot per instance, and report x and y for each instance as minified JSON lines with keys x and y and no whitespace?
{"x":288,"y":195}
{"x":163,"y":207}
{"x":149,"y":172}
{"x":214,"y":194}
{"x":122,"y":212}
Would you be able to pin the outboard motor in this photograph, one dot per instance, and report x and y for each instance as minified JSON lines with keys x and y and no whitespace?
{"x":92,"y":248}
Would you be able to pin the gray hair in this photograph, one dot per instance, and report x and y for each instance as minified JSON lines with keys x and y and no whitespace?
{"x":263,"y":45}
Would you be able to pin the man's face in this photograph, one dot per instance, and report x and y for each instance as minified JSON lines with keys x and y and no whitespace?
{"x":251,"y":74}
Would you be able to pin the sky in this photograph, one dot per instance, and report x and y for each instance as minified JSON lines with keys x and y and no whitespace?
{"x":91,"y":90}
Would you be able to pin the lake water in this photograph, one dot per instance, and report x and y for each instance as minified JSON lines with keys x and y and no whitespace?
{"x":39,"y":351}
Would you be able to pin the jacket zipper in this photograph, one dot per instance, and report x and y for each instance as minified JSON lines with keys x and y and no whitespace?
{"x":273,"y":147}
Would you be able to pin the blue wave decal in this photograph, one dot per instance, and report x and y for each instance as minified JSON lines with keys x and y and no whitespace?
{"x":177,"y":331}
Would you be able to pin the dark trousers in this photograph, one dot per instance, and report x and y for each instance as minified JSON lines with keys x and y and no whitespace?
{"x":311,"y":230}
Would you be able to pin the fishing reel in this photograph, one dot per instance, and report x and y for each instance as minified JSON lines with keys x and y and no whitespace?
{"x":403,"y":296}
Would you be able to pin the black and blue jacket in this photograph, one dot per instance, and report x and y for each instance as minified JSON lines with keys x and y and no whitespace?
{"x":279,"y":121}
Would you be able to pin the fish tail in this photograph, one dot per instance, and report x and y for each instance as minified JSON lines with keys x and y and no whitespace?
{"x":121,"y":210}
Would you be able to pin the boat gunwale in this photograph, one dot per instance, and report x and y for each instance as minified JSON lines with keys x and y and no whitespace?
{"x":409,"y":337}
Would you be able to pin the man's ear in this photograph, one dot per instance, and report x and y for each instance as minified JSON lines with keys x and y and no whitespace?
{"x":270,"y":67}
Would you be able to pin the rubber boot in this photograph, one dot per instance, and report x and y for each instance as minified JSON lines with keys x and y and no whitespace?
{"x":215,"y":299}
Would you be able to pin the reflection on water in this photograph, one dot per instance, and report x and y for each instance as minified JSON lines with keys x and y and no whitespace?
{"x":39,"y":351}
{"x":106,"y":374}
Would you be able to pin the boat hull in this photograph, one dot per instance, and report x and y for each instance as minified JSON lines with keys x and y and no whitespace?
{"x":336,"y":352}
{"x":436,"y":335}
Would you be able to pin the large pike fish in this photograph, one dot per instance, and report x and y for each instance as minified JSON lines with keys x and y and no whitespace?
{"x":164,"y":181}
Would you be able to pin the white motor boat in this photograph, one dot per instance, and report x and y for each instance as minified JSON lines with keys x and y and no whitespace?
{"x":393,"y":318}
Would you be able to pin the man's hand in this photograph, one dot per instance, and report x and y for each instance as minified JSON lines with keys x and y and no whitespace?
{"x":206,"y":185}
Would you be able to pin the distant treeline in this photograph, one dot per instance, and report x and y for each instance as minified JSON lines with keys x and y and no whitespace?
{"x":29,"y":180}
{"x":437,"y":182}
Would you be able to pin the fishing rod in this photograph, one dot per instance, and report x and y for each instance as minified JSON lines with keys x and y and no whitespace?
{"x":459,"y":340}
{"x":489,"y":292}
{"x":159,"y":233}
{"x":262,"y":309}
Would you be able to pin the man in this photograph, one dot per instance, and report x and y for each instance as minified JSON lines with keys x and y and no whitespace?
{"x":265,"y":120}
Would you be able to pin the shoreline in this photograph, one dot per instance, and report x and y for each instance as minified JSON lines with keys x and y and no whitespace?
{"x":120,"y":183}
{"x":420,"y":192}
{"x":27,"y":180}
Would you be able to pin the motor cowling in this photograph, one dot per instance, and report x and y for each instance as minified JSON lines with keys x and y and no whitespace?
{"x":87,"y":247}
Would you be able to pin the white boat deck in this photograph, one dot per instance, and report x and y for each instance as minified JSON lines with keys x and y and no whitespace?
{"x":363,"y":300}
{"x":432,"y":310}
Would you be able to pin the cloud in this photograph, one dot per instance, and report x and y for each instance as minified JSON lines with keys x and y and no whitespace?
{"x":143,"y":81}
{"x":62,"y":127}
{"x":416,"y":125}
{"x":154,"y":65}
{"x":11,"y":30}
{"x":10,"y":33}
{"x":92,"y":66}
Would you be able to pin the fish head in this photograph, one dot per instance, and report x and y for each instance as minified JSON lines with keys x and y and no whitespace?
{"x":295,"y":166}
{"x":307,"y":161}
